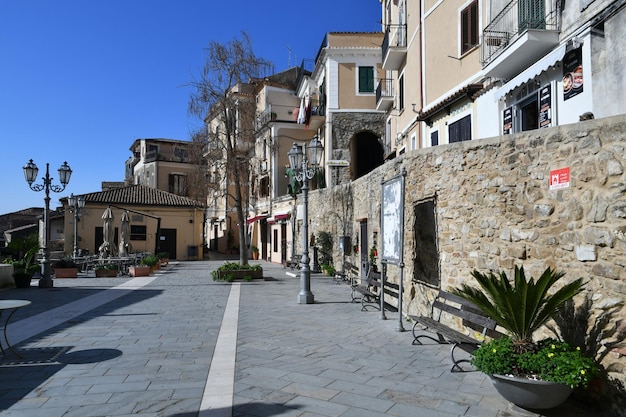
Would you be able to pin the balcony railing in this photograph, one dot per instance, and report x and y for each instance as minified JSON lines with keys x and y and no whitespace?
{"x":394,"y":46}
{"x":384,"y":94}
{"x":288,"y":114}
{"x":515,"y":19}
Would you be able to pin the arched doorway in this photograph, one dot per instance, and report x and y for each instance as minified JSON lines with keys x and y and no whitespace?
{"x":366,"y":153}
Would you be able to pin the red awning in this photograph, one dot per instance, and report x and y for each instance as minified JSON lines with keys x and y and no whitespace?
{"x":282,"y":216}
{"x":255,"y":218}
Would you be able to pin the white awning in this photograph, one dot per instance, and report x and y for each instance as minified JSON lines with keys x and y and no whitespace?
{"x":532,"y":71}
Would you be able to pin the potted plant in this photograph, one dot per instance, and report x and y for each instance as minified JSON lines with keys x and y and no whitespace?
{"x":255,"y":252}
{"x":144,"y":268}
{"x":107,"y":270}
{"x":164,"y":258}
{"x":373,"y":255}
{"x":531,"y":374}
{"x":231,"y":271}
{"x":65,"y":268}
{"x":21,"y":275}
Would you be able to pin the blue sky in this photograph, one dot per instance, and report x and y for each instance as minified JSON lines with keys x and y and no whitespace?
{"x":80,"y":80}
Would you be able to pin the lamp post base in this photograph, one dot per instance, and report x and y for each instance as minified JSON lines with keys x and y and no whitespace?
{"x":306,"y":298}
{"x":46,"y":282}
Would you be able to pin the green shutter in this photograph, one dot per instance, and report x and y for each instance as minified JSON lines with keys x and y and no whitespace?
{"x":366,"y":79}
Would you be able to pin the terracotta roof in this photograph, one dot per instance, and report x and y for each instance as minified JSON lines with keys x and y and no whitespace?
{"x":140,"y":195}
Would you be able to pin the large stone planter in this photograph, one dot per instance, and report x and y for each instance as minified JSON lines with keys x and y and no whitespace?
{"x":528,"y":393}
{"x":65,"y":272}
{"x":240,"y":274}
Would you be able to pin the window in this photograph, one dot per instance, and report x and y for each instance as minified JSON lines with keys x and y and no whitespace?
{"x":469,"y":27}
{"x":434,"y":138}
{"x":137,"y":232}
{"x":528,"y":113}
{"x":178,"y":184}
{"x":461,"y":130}
{"x":366,"y":79}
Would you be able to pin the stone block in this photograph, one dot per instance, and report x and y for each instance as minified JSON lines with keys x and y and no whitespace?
{"x":585,"y":253}
{"x":6,"y":275}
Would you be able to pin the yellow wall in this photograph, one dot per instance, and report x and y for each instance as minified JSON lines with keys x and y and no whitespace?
{"x":188,"y":223}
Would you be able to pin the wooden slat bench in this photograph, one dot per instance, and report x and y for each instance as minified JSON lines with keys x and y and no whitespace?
{"x":472,"y":317}
{"x":370,"y":292}
{"x":349,"y":274}
{"x":294,"y":263}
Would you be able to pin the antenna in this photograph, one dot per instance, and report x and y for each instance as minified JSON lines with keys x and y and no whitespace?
{"x":289,"y":55}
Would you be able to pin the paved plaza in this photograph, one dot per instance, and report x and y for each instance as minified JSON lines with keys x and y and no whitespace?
{"x":178,"y":344}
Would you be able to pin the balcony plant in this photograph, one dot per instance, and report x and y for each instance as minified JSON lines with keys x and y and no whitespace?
{"x":65,"y":268}
{"x":532,"y":374}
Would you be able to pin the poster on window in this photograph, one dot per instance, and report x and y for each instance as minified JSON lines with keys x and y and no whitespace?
{"x":572,"y":73}
{"x":507,"y":121}
{"x":545,"y":107}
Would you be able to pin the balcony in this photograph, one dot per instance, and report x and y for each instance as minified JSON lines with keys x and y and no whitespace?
{"x":518,"y":36}
{"x":394,"y":47}
{"x":289,"y":114}
{"x":384,"y":94}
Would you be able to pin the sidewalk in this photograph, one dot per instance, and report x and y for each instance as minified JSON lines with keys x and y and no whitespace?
{"x":172,"y":345}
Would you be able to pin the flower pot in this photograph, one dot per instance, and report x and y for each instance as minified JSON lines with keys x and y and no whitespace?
{"x":139,"y":271}
{"x":529,"y":393}
{"x":65,"y":272}
{"x":22,"y":279}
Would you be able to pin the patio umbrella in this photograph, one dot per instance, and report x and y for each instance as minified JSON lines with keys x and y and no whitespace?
{"x":124,"y":242}
{"x":106,"y":249}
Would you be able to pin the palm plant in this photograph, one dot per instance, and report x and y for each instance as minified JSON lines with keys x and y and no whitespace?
{"x":522,"y":307}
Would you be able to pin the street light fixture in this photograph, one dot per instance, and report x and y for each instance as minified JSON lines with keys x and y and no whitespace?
{"x":76,"y":204}
{"x":30,"y":174}
{"x":303,"y":172}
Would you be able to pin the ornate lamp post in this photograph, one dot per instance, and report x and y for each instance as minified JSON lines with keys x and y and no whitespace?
{"x":76,"y":204}
{"x":30,"y":174}
{"x":303,"y":172}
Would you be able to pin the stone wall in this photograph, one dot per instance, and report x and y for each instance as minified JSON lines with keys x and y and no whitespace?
{"x":494,"y":210}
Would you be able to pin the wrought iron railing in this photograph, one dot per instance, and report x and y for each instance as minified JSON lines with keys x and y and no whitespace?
{"x":280,"y":113}
{"x":395,"y":35}
{"x":515,"y":19}
{"x":384,"y":89}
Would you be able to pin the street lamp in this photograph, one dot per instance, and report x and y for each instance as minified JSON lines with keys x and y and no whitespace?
{"x":303,"y":172}
{"x":76,"y":204}
{"x":30,"y":174}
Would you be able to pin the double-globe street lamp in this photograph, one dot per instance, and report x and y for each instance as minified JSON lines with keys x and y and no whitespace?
{"x":303,"y":172}
{"x":30,"y":174}
{"x":76,"y":204}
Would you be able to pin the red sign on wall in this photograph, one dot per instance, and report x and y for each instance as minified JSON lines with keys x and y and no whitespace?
{"x":559,"y":178}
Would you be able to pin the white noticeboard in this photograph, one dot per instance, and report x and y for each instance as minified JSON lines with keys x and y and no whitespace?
{"x":392,"y":218}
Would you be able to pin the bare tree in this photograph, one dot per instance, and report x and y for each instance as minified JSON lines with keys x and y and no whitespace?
{"x":223,"y":97}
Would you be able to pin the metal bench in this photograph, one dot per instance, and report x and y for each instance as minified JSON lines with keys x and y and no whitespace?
{"x":370,"y":292}
{"x":472,"y":317}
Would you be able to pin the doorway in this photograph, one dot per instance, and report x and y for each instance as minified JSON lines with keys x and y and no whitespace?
{"x":167,"y":242}
{"x":363,"y":249}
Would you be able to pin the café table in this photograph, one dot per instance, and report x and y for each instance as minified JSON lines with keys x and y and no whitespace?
{"x":12,"y":306}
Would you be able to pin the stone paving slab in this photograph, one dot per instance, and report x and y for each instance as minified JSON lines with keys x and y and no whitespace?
{"x":149,"y":352}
